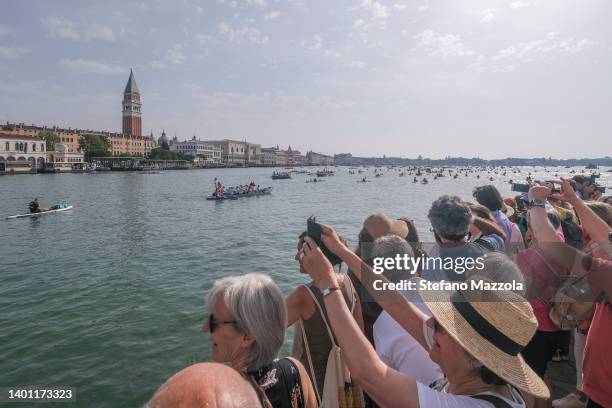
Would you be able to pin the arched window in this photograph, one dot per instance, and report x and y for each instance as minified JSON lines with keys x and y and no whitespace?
{"x":8,"y":146}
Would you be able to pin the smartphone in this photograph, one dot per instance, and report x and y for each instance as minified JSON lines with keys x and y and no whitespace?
{"x":553,"y":186}
{"x":520,"y":187}
{"x":314,"y":231}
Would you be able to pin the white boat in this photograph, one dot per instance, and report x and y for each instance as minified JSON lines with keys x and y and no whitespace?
{"x":40,"y":213}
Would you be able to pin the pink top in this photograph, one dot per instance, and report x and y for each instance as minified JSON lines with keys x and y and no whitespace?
{"x":597,"y":364}
{"x":541,"y":283}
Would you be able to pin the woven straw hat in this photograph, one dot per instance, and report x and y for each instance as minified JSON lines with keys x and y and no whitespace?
{"x":379,"y":224}
{"x":493,"y":327}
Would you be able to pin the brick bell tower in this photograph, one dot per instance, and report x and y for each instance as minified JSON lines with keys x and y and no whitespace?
{"x":132,"y":123}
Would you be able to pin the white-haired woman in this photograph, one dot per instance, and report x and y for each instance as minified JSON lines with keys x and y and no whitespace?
{"x":246,"y":323}
{"x":476,"y":339}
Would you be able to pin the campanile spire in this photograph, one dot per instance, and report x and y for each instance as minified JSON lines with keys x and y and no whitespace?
{"x":132,"y":122}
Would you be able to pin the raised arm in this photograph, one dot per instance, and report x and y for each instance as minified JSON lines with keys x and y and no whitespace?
{"x":387,"y":387}
{"x":399,"y":308}
{"x":597,"y":228}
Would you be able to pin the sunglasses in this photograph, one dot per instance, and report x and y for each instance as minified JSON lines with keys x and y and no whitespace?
{"x":438,"y":327}
{"x":212,"y":323}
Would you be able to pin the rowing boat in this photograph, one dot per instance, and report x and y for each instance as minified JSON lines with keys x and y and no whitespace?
{"x":56,"y":210}
{"x":265,"y":191}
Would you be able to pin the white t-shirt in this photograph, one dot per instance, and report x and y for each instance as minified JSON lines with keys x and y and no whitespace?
{"x":400,"y":351}
{"x":437,"y":399}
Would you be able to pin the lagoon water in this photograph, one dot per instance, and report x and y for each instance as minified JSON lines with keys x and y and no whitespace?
{"x":108,"y":298}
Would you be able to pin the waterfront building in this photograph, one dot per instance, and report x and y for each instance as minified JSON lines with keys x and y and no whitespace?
{"x":294,"y":157}
{"x":205,"y":152}
{"x":234,"y":152}
{"x":70,"y":137}
{"x":61,"y":159}
{"x":131,"y":108}
{"x":124,"y":145}
{"x":21,"y":153}
{"x":273,"y":156}
{"x":318,"y":159}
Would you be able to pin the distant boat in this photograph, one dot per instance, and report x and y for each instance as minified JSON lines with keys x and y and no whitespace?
{"x":281,"y":176}
{"x":325,"y":173}
{"x":52,"y":210}
{"x":265,"y":191}
{"x":591,"y":166}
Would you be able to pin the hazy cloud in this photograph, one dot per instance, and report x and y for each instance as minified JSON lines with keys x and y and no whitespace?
{"x":12,"y":52}
{"x":272,"y":15}
{"x":175,"y":55}
{"x":445,"y":45}
{"x":487,"y":15}
{"x":356,"y":64}
{"x":5,"y":30}
{"x":519,"y":4}
{"x":60,"y":27}
{"x":242,"y":34}
{"x":82,"y":66}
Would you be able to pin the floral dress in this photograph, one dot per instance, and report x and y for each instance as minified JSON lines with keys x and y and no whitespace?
{"x":278,"y":384}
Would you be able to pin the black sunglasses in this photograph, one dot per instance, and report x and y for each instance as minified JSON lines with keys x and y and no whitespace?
{"x":212,"y":323}
{"x":437,"y":326}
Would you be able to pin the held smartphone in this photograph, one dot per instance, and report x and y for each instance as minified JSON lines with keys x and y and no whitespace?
{"x":520,"y":187}
{"x":314,"y":231}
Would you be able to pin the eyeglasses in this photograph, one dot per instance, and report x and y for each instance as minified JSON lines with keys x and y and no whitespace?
{"x":212,"y":323}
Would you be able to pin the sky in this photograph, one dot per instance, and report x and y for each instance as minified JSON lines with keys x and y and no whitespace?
{"x":436,"y":78}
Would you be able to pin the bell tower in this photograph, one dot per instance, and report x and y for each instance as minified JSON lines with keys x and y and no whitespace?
{"x":132,"y":122}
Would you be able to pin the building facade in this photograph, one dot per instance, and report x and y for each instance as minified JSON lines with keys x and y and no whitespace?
{"x":61,"y":159}
{"x":294,"y":157}
{"x":131,"y":108}
{"x":318,"y":159}
{"x":21,"y":153}
{"x":234,"y":152}
{"x":206,"y":152}
{"x":70,"y":137}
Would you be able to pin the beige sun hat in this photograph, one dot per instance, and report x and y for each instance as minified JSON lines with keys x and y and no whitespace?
{"x":379,"y":224}
{"x":493,"y":327}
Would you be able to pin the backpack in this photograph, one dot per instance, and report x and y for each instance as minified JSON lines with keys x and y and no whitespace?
{"x":572,"y":302}
{"x":338,"y":389}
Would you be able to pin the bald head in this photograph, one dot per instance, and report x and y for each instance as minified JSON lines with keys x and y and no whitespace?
{"x":209,"y":385}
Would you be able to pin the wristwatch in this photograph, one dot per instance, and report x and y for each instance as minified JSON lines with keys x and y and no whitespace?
{"x":329,"y":290}
{"x":537,"y":203}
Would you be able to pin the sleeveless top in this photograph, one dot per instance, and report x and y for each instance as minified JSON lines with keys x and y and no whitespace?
{"x":317,"y":335}
{"x":278,"y":384}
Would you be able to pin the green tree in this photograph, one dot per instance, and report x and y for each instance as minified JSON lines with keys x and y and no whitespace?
{"x":94,"y":146}
{"x":51,"y":139}
{"x":160,"y":153}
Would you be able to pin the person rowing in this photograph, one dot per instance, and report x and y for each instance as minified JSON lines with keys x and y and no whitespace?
{"x":35,"y":206}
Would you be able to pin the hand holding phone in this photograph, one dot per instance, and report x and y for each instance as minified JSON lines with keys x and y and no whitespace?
{"x":314,"y":231}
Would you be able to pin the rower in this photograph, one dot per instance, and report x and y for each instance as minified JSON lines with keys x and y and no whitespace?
{"x":34,"y":206}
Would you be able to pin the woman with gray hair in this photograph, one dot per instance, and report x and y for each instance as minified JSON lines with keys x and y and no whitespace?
{"x":246,"y":322}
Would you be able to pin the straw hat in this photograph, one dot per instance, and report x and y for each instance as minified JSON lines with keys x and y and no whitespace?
{"x":493,"y":327}
{"x":379,"y":224}
{"x":508,"y":210}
